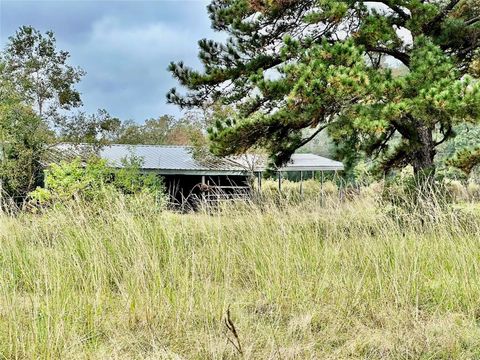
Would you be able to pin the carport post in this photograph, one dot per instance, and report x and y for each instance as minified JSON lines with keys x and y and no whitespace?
{"x":321,"y":186}
{"x":279,"y":181}
{"x":301,"y":183}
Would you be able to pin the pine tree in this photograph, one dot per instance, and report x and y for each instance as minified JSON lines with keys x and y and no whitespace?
{"x":292,"y":68}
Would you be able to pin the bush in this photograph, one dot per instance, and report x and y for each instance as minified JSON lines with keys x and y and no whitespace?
{"x":96,"y":181}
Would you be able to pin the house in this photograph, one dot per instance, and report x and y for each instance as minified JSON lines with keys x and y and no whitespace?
{"x":188,"y":174}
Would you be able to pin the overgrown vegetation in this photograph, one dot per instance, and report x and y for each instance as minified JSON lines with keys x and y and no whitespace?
{"x":354,"y":279}
{"x":97,"y":267}
{"x":37,"y":99}
{"x":23,"y":142}
{"x":95,"y":181}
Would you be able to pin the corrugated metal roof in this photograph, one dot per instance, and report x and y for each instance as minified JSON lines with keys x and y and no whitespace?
{"x":181,"y":160}
{"x":164,"y":157}
{"x":312,"y":162}
{"x":298,"y":162}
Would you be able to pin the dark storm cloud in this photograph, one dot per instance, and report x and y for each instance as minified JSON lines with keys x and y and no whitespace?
{"x":124,"y":46}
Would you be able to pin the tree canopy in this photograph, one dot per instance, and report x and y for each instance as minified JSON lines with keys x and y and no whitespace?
{"x":40,"y":72}
{"x":36,"y":85}
{"x":292,"y":68}
{"x":23,"y":139}
{"x":164,"y":130}
{"x":37,"y":99}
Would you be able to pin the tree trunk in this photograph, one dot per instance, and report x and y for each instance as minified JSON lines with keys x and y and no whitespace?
{"x":423,"y":165}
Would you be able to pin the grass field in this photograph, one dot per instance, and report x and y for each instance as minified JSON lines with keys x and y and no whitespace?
{"x":356,"y":279}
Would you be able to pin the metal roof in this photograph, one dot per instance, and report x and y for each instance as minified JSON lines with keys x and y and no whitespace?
{"x":165,"y":159}
{"x":306,"y":162}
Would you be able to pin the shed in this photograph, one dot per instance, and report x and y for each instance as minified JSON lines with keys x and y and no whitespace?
{"x":186,"y":174}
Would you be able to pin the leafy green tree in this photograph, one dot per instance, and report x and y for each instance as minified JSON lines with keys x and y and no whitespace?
{"x":40,"y":72}
{"x":36,"y":83}
{"x":130,"y":180}
{"x":165,"y":130}
{"x":100,"y":128}
{"x":23,"y":141}
{"x":68,"y":179}
{"x":292,"y":68}
{"x":151,"y":132}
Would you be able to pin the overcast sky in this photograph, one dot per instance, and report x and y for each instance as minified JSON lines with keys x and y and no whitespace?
{"x":124,"y":46}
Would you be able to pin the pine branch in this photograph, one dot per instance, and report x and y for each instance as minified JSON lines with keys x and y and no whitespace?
{"x":433,"y":25}
{"x":395,"y":8}
{"x":472,"y":21}
{"x":397,"y":54}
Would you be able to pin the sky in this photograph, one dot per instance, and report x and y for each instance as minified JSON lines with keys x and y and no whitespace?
{"x":124,"y":46}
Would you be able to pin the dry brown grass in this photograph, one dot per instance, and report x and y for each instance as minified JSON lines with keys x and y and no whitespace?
{"x":355,"y":279}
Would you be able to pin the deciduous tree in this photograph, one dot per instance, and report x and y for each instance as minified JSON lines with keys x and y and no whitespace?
{"x":164,"y":130}
{"x":23,"y":142}
{"x":100,"y":128}
{"x":40,"y":72}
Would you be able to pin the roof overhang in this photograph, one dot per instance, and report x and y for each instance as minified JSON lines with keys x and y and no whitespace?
{"x":195,"y":172}
{"x":311,"y":168}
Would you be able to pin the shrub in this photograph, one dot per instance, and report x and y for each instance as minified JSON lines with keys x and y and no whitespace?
{"x":67,"y":180}
{"x":94,"y":180}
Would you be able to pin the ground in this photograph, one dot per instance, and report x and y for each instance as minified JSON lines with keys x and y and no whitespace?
{"x":324,"y":279}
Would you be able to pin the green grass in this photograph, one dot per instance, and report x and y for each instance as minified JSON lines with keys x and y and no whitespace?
{"x":341,"y":280}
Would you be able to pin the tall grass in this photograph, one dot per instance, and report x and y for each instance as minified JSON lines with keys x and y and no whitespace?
{"x":350,"y":279}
